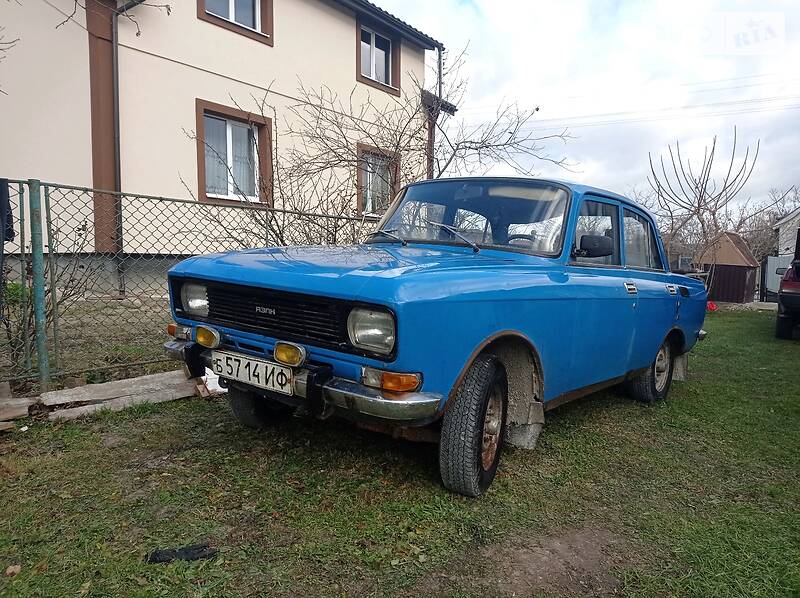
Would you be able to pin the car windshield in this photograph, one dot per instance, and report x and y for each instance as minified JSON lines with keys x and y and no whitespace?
{"x":499,"y":214}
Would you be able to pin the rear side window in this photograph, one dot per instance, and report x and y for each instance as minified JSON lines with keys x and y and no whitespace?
{"x":641,"y":247}
{"x":598,"y":218}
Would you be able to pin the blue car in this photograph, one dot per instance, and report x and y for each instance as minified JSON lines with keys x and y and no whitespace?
{"x":478,"y":305}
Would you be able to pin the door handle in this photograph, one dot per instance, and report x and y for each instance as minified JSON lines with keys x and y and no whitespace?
{"x":631,"y":288}
{"x":671,"y":289}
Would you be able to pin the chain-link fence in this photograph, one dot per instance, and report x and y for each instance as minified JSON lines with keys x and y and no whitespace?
{"x":101,"y":290}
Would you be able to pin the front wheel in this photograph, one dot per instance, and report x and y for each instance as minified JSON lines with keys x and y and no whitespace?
{"x":473,"y":429}
{"x":653,"y":384}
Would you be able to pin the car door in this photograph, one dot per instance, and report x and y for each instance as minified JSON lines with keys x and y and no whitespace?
{"x":657,"y":299}
{"x":601,"y":333}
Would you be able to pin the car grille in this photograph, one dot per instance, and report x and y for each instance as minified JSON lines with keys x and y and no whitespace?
{"x":283,"y":315}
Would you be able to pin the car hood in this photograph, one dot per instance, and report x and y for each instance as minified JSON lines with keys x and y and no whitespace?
{"x":367,"y":270}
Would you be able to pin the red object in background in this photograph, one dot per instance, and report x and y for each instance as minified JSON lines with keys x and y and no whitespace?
{"x":790,"y":282}
{"x":711,"y":306}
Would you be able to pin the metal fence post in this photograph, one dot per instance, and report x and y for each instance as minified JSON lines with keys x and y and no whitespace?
{"x":23,"y":269}
{"x":52,"y":262}
{"x":37,"y":257}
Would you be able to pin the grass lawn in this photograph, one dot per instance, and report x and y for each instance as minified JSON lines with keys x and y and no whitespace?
{"x":697,"y":496}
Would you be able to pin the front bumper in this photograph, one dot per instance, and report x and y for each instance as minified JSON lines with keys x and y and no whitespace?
{"x":347,"y":397}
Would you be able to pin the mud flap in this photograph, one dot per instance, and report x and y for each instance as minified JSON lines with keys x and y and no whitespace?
{"x":524,"y":434}
{"x":681,"y":368}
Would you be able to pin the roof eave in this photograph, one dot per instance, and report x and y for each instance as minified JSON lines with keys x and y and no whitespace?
{"x":364,"y":8}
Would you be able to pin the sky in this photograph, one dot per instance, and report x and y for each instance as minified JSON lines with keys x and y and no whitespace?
{"x":631,"y":77}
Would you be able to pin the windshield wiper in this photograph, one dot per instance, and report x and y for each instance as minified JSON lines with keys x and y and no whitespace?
{"x":389,"y":233}
{"x":454,"y":231}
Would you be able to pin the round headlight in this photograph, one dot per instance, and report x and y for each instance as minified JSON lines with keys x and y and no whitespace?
{"x":371,"y":329}
{"x":194,"y":299}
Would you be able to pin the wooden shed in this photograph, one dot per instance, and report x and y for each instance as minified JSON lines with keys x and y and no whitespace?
{"x":732,"y":268}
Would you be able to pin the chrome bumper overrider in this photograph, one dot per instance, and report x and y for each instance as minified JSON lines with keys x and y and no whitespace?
{"x":340,"y":393}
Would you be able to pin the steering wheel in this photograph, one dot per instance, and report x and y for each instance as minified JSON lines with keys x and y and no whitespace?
{"x":531,"y":238}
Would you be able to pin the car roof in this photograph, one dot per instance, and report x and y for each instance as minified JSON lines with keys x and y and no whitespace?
{"x":576,"y":188}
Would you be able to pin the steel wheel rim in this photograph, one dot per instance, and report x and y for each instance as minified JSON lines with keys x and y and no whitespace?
{"x":661,"y":367}
{"x":492,"y":424}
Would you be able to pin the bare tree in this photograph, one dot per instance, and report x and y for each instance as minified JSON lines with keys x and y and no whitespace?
{"x":692,"y":201}
{"x":320,"y":177}
{"x":506,"y":138}
{"x":6,"y":43}
{"x":755,"y":221}
{"x":78,"y":5}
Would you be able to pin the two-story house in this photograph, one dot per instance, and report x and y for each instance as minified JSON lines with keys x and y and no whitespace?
{"x":125,"y":96}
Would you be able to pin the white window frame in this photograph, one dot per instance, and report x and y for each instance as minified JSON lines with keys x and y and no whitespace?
{"x":371,"y":75}
{"x":232,"y":17}
{"x":229,"y":124}
{"x":366,"y":173}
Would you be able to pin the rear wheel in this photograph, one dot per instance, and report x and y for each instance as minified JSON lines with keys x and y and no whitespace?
{"x":784,"y":327}
{"x":473,"y":429}
{"x":253,"y":410}
{"x":653,"y":384}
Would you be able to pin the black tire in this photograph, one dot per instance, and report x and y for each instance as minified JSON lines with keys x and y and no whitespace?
{"x":252,"y":410}
{"x":466,"y":465}
{"x":653,"y":384}
{"x":784,"y":328}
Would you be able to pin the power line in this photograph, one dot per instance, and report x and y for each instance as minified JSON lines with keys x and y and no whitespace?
{"x":479,"y":106}
{"x":671,"y":109}
{"x":535,"y":127}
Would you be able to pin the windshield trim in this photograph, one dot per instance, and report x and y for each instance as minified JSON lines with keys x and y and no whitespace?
{"x":532,"y":182}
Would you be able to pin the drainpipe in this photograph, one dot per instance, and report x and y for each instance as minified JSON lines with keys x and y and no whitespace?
{"x":440,"y":59}
{"x":433,"y":114}
{"x":117,"y":148}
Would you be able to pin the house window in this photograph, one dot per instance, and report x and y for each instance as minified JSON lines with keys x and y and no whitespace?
{"x":231,"y":165}
{"x":251,"y":18}
{"x":376,"y":56}
{"x":378,"y":60}
{"x":241,"y":12}
{"x":234,"y":154}
{"x":377,"y":177}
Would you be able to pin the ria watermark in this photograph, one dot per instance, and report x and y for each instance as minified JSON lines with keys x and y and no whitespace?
{"x":744,"y":33}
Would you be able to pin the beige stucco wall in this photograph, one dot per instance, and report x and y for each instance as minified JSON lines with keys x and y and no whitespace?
{"x":45,"y":116}
{"x":179,"y":58}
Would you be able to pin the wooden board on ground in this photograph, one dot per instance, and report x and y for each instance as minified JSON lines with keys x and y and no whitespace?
{"x":158,"y":396}
{"x":6,"y":426}
{"x":97,"y":393}
{"x":14,"y":408}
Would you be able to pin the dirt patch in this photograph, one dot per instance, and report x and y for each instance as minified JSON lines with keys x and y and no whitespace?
{"x":574,"y":562}
{"x":111,"y":440}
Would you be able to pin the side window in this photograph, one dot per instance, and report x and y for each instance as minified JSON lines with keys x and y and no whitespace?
{"x":641,"y":247}
{"x":598,"y":218}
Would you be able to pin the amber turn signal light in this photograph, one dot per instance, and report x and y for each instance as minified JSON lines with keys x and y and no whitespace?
{"x":392,"y":381}
{"x":289,"y":354}
{"x":399,"y":382}
{"x":179,"y":332}
{"x":208,"y":337}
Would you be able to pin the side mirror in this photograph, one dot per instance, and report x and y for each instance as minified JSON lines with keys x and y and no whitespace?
{"x":595,"y":246}
{"x":781,"y":271}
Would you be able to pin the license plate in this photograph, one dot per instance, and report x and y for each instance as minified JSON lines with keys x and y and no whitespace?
{"x":256,"y":372}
